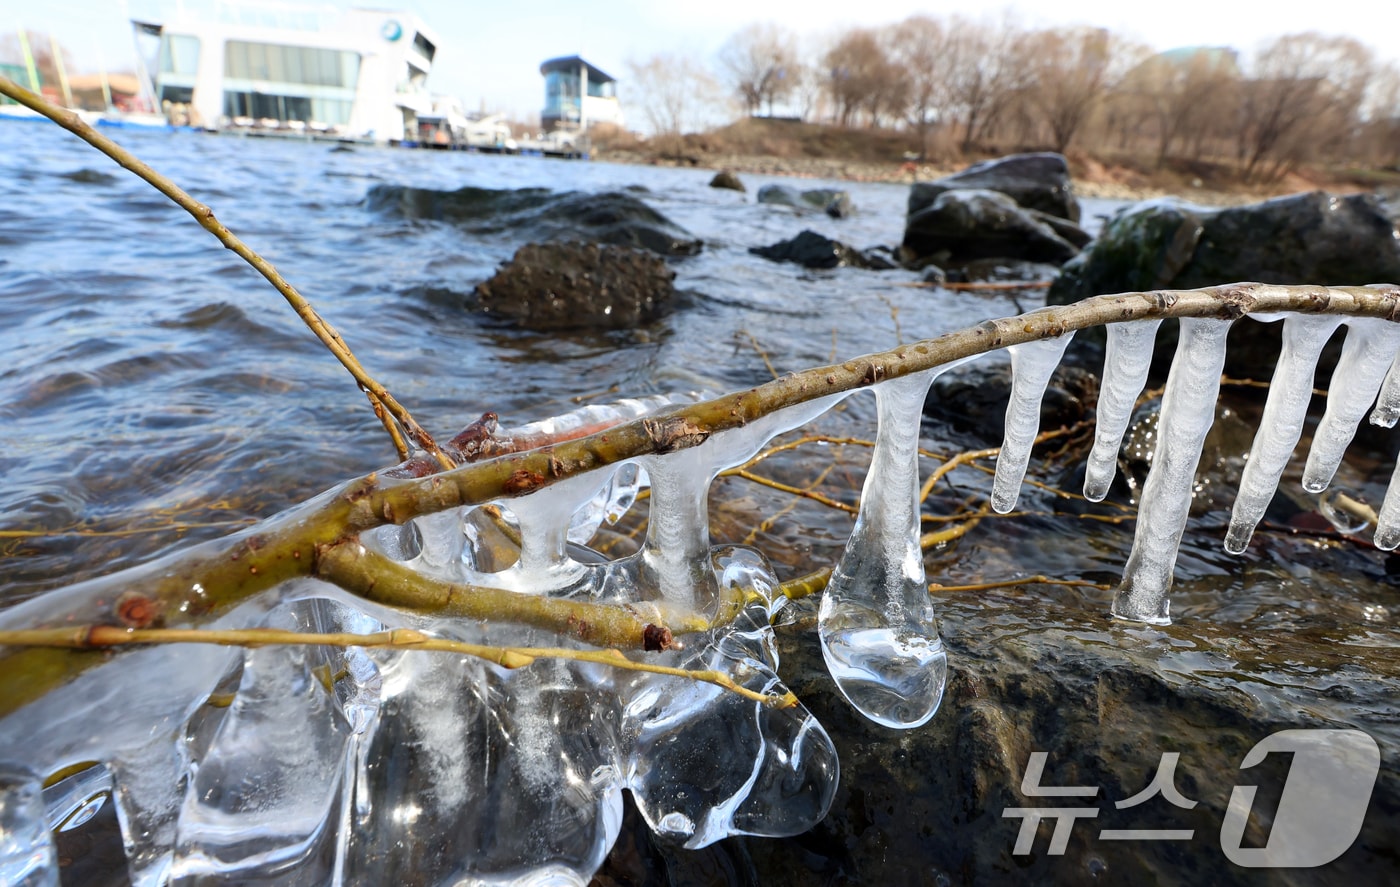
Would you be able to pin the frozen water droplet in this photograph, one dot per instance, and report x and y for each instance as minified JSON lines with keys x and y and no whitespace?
{"x":1125,"y":368}
{"x":1345,"y":510}
{"x":1290,"y":393}
{"x":1032,"y":364}
{"x":876,"y":620}
{"x":27,"y":856}
{"x":1387,"y":410}
{"x":1369,"y":349}
{"x":1188,"y":410}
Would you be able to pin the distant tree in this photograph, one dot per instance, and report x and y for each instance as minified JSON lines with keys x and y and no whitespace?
{"x":1072,"y":69}
{"x":987,"y":69}
{"x":1182,"y":97}
{"x":920,"y":49}
{"x":862,"y":78}
{"x":676,"y":92}
{"x":1379,"y":138}
{"x":760,"y":63}
{"x":1303,"y":101}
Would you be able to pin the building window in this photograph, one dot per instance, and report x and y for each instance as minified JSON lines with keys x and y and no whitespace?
{"x":179,"y":54}
{"x":561,"y":98}
{"x":302,"y":65}
{"x":424,"y":46}
{"x":267,"y":106}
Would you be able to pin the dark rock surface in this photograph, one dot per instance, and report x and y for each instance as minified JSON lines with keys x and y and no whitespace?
{"x":1303,"y":238}
{"x":963,"y":225}
{"x":973,"y":398}
{"x":541,"y":214}
{"x":1035,"y":181}
{"x":813,"y":250}
{"x":833,"y":202}
{"x":1003,"y":270}
{"x":726,"y":179}
{"x":571,"y":285}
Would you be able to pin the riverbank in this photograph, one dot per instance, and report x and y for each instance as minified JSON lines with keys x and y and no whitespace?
{"x":757,"y":147}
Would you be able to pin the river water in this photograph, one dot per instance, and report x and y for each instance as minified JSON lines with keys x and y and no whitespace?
{"x":150,"y":377}
{"x":156,"y":390}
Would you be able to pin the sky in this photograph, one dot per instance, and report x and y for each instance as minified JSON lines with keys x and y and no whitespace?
{"x":489,"y":53}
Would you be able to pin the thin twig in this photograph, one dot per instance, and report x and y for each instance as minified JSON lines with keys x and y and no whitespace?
{"x":1011,"y":583}
{"x":92,"y":637}
{"x":205,"y":216}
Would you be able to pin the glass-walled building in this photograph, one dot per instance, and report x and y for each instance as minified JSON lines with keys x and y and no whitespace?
{"x":577,"y":95}
{"x":357,"y":73}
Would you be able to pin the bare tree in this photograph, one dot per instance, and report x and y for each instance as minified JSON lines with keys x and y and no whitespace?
{"x":1304,"y":99}
{"x":1178,"y":94}
{"x":861,"y":78}
{"x":760,"y":63}
{"x":986,"y":68}
{"x":1073,"y":68}
{"x":675,"y":91}
{"x":919,"y":47}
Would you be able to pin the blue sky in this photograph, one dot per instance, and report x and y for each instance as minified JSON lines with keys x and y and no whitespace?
{"x":490,"y":52}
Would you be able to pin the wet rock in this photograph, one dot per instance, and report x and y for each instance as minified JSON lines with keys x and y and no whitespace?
{"x":1032,"y":670}
{"x":572,"y":285}
{"x":1035,"y":181}
{"x":726,"y":179}
{"x":934,"y":275}
{"x":833,"y":202}
{"x":972,"y":399}
{"x":813,"y":250}
{"x":541,"y":214}
{"x":1304,"y":238}
{"x":960,"y":226}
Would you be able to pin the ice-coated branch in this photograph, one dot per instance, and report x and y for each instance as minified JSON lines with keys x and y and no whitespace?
{"x":379,"y":397}
{"x":195,"y":586}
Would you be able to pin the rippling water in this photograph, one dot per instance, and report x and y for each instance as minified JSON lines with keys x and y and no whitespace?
{"x":149,"y":376}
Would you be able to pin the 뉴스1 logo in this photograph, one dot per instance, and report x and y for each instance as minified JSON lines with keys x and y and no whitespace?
{"x":1319,"y":815}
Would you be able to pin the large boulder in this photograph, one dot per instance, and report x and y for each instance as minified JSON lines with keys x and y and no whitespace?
{"x":833,"y":202}
{"x":813,"y":250}
{"x":541,"y":214}
{"x":1035,"y":181}
{"x":1303,"y":238}
{"x":962,"y":225}
{"x":572,"y":285}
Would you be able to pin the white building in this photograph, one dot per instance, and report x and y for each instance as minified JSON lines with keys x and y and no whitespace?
{"x":359,"y":73}
{"x":577,"y":95}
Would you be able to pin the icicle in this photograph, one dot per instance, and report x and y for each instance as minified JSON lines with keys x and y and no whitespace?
{"x":544,"y":519}
{"x":1290,"y":392}
{"x":876,"y":620}
{"x":1388,"y":521}
{"x":706,"y":764}
{"x":1387,"y":409}
{"x":1032,"y":364}
{"x":1188,"y":410}
{"x":1125,"y":367}
{"x":675,"y":558}
{"x":1367,"y":354}
{"x":264,"y":799}
{"x":27,"y":855}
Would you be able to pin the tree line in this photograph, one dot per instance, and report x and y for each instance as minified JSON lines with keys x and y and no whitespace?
{"x":962,"y":85}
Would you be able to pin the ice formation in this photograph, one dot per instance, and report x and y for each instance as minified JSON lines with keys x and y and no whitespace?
{"x":346,"y":766}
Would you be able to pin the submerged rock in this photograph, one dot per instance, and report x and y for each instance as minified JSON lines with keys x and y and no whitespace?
{"x":833,"y":202}
{"x":571,"y":285}
{"x":541,"y":214}
{"x":726,"y":179}
{"x":813,"y":250}
{"x":960,"y":226}
{"x":1035,"y":181}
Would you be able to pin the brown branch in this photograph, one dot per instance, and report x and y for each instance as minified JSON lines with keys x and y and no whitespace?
{"x":205,"y":216}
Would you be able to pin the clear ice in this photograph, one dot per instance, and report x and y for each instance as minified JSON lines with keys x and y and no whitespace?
{"x":1366,"y":355}
{"x":318,"y":765}
{"x":1126,"y":363}
{"x":1188,"y":410}
{"x":876,"y":621}
{"x":1032,"y":364}
{"x":1290,"y":393}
